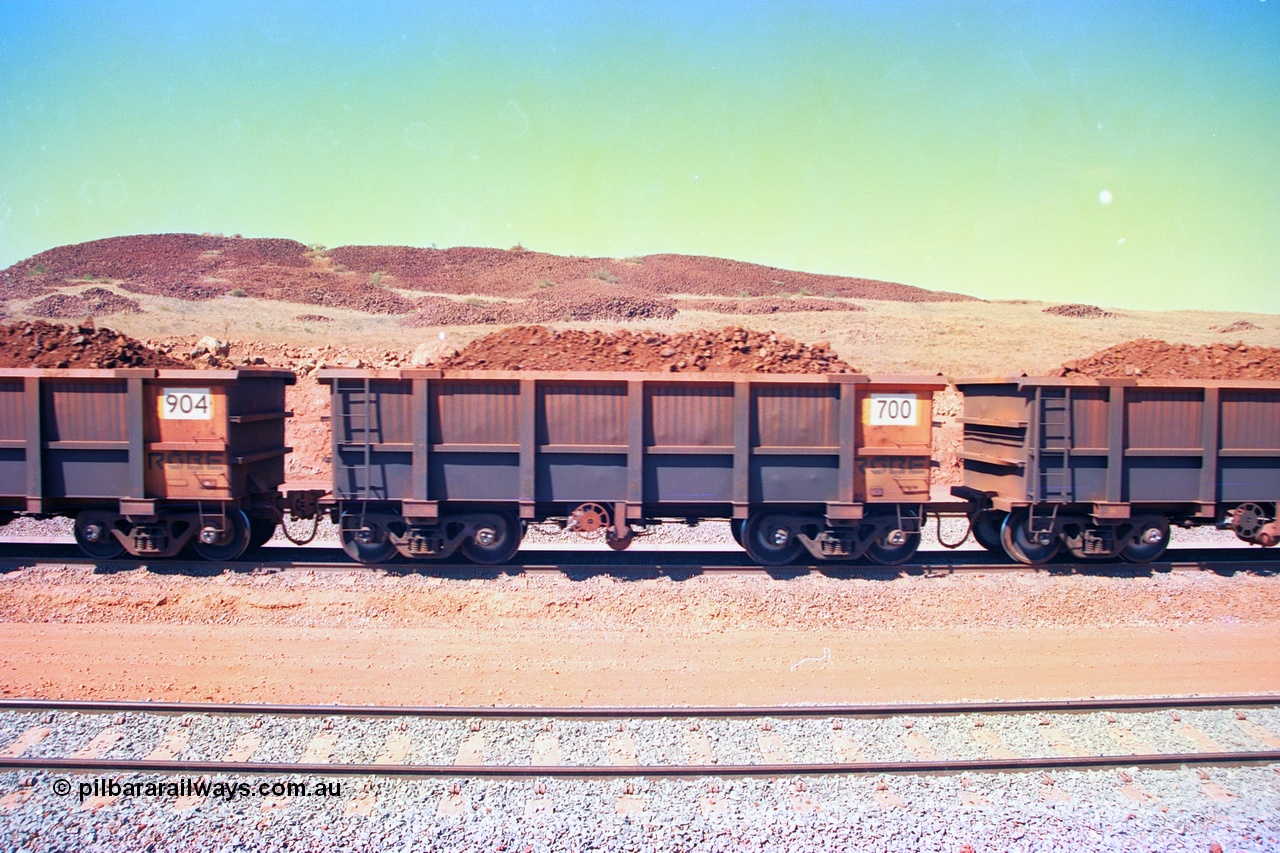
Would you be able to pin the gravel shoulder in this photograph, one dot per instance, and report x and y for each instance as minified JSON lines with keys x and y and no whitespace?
{"x":367,"y":638}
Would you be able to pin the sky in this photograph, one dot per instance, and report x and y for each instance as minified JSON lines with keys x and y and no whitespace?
{"x":1121,"y":154}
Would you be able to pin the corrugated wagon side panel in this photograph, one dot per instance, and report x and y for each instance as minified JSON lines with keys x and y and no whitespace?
{"x":85,"y":430}
{"x":13,"y":441}
{"x":1249,"y":454}
{"x":1163,"y":444}
{"x":795,"y":443}
{"x":582,"y":438}
{"x":474,"y":433}
{"x":689,"y":443}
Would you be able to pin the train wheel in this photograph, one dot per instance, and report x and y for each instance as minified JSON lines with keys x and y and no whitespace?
{"x":260,"y":532}
{"x":227,"y":544}
{"x":986,"y":530}
{"x":93,"y":535}
{"x":895,"y":546}
{"x":619,"y":543}
{"x":1023,"y":545}
{"x":735,"y":529}
{"x":770,"y":540}
{"x":364,"y":537}
{"x":1152,"y":540}
{"x":494,"y":539}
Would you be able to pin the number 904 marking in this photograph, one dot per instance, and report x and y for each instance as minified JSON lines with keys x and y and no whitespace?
{"x":186,"y":404}
{"x":894,"y":410}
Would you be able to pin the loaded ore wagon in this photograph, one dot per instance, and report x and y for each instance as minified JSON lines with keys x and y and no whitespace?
{"x":1103,"y":467}
{"x":429,"y":462}
{"x":146,"y":460}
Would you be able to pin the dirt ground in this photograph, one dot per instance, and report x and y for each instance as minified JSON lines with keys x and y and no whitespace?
{"x":385,"y":639}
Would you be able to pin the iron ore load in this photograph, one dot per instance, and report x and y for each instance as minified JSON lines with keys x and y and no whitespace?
{"x":426,"y":463}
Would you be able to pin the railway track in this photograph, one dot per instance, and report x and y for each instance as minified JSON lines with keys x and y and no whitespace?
{"x":930,"y":735}
{"x":14,"y":556}
{"x":993,"y":776}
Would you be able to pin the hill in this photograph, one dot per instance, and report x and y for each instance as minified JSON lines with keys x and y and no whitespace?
{"x":388,"y":279}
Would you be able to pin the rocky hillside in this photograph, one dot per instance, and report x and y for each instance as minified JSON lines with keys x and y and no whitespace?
{"x":385,"y":279}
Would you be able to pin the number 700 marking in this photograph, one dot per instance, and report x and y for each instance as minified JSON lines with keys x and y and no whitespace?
{"x":894,"y":410}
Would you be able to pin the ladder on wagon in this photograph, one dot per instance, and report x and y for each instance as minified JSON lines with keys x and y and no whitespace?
{"x":360,"y":415}
{"x":1052,"y":479}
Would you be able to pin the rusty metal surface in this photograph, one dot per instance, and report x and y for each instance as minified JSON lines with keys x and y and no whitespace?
{"x":641,"y":439}
{"x":1156,"y":442}
{"x":101,"y":435}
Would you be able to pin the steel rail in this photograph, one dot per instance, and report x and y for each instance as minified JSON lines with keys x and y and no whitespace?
{"x":983,"y":765}
{"x":656,"y":567}
{"x":1076,"y":706}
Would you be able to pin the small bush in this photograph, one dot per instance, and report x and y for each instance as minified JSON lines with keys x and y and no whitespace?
{"x":238,"y":292}
{"x":546,"y":282}
{"x":375,"y":279}
{"x":605,"y":275}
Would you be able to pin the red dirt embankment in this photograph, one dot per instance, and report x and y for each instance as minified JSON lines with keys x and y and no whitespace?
{"x":730,"y":350}
{"x":40,"y":344}
{"x":1151,"y":359}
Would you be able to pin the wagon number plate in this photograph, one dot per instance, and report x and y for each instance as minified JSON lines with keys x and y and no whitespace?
{"x":894,"y":410}
{"x":186,"y":404}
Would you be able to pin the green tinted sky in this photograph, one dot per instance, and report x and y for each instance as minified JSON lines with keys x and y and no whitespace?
{"x":1121,"y":154}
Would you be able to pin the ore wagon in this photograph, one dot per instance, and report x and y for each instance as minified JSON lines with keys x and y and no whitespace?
{"x":1103,"y":467}
{"x":146,"y":460}
{"x":429,"y":462}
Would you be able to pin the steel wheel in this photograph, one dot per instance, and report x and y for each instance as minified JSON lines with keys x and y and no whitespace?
{"x":618,"y":543}
{"x":986,"y":530}
{"x":93,"y":535}
{"x":364,"y":537}
{"x":1151,"y":541}
{"x":494,"y":538}
{"x":770,"y":540}
{"x":736,"y":527}
{"x":260,"y":532}
{"x":895,"y":546}
{"x":230,"y":543}
{"x":1024,"y":546}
